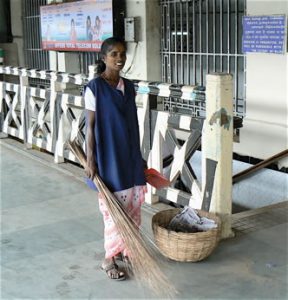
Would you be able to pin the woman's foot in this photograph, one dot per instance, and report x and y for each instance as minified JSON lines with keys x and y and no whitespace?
{"x":128,"y":265}
{"x":111,"y":269}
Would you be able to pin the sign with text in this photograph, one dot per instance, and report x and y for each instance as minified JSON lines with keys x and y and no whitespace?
{"x":266,"y":34}
{"x":76,"y":26}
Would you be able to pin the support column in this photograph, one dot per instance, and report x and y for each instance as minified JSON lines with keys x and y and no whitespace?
{"x":92,"y":71}
{"x":155,"y":160}
{"x":3,"y":111}
{"x":217,"y":148}
{"x":148,"y":102}
{"x":25,"y":115}
{"x":57,"y":121}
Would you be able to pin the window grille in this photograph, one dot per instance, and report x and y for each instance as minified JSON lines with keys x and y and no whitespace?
{"x":200,"y":37}
{"x":34,"y":56}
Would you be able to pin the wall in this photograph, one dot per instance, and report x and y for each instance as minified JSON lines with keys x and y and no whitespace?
{"x":265,"y":130}
{"x":15,"y":51}
{"x":147,"y":63}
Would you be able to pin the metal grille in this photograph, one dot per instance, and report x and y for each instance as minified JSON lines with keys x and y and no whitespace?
{"x":34,"y":56}
{"x":86,"y":59}
{"x":195,"y":107}
{"x":201,"y":37}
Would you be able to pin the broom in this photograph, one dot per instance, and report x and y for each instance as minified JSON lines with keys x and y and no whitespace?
{"x":146,"y":269}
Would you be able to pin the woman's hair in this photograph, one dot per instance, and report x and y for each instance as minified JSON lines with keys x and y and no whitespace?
{"x":106,"y":46}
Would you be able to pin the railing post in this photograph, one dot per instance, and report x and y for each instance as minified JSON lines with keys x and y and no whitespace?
{"x":149,"y":102}
{"x":56,"y":114}
{"x":155,"y":160}
{"x":25,"y":115}
{"x":3,"y":111}
{"x":92,"y":71}
{"x":217,"y":149}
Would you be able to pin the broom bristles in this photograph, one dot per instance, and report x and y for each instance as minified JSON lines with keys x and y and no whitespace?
{"x":145,"y":268}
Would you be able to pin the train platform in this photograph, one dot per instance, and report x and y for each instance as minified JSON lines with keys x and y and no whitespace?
{"x":52,"y":241}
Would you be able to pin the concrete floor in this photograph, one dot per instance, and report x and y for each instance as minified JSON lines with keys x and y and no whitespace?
{"x":52,"y":242}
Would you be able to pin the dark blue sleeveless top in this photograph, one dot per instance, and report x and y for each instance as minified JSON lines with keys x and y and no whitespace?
{"x":117,"y":152}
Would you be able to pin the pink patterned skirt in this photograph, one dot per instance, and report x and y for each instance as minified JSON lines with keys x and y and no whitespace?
{"x":131,"y":199}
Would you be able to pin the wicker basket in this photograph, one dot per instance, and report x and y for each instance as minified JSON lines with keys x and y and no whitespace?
{"x":182,"y":246}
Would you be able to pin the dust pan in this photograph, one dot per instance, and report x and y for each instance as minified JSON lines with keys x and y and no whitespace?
{"x":156,"y":179}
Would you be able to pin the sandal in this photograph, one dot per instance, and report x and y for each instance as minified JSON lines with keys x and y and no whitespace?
{"x":128,"y":265}
{"x":121,"y":257}
{"x":113,"y":272}
{"x":118,"y":256}
{"x":126,"y":260}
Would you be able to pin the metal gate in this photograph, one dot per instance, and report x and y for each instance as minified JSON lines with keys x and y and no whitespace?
{"x":199,"y":37}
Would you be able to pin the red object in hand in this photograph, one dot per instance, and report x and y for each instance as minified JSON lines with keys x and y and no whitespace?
{"x":156,"y":179}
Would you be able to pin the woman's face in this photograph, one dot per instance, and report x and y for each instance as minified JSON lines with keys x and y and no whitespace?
{"x":115,"y":58}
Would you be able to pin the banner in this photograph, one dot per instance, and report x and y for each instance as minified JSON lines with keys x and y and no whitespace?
{"x":76,"y":26}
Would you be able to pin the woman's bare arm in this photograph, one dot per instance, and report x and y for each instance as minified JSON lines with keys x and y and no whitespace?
{"x":91,"y":168}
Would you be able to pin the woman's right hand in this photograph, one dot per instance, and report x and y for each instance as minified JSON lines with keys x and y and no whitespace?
{"x":91,"y":168}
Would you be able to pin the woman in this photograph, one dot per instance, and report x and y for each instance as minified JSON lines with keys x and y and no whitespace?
{"x":113,"y":148}
{"x":73,"y":36}
{"x":89,"y":32}
{"x":97,"y":29}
